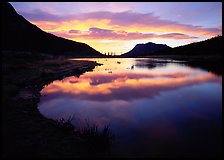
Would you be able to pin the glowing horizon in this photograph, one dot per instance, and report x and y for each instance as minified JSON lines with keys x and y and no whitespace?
{"x":119,"y":26}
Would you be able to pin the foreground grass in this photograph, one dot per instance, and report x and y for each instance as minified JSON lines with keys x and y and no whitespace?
{"x":99,"y":139}
{"x":25,"y":132}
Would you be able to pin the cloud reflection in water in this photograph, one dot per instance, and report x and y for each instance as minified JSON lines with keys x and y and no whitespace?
{"x":150,"y":106}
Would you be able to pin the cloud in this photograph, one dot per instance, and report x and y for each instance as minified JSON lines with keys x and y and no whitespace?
{"x":129,"y":18}
{"x":219,"y":27}
{"x":176,"y":36}
{"x":39,"y":15}
{"x":98,"y":33}
{"x":126,"y":19}
{"x":48,"y":26}
{"x":74,"y":31}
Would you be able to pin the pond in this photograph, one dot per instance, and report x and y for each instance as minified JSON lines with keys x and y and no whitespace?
{"x":154,"y":107}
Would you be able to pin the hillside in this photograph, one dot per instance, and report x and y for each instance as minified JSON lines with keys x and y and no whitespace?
{"x":18,"y":34}
{"x":145,"y":49}
{"x":210,"y":47}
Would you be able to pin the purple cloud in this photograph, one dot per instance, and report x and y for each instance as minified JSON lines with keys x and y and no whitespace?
{"x":98,"y":33}
{"x":176,"y":36}
{"x":125,"y":19}
{"x":39,"y":15}
{"x":74,"y":31}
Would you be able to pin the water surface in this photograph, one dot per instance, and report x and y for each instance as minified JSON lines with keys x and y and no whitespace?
{"x":155,"y":107}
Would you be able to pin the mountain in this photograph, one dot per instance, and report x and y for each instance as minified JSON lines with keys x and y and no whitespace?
{"x":20,"y":35}
{"x":211,"y":46}
{"x":145,"y":49}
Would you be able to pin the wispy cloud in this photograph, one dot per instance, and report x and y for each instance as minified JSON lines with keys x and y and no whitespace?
{"x":118,"y":27}
{"x":176,"y":36}
{"x":39,"y":15}
{"x":98,"y":33}
{"x":126,"y":19}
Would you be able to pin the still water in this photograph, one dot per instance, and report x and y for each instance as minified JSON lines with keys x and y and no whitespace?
{"x":154,"y":107}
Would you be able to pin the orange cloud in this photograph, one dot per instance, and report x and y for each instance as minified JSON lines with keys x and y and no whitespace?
{"x":94,"y":28}
{"x":125,"y":20}
{"x":101,"y":34}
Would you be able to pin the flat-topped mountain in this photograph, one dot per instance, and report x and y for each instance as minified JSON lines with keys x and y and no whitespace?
{"x":18,"y":34}
{"x":145,"y":49}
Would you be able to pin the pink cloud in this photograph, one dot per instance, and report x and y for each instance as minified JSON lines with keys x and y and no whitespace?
{"x":176,"y":36}
{"x":98,"y":33}
{"x":125,"y":19}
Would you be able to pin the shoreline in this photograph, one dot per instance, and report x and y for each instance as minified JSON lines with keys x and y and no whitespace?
{"x":211,"y":63}
{"x":27,"y":133}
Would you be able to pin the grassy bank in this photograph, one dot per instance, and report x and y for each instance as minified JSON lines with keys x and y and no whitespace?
{"x":25,"y":132}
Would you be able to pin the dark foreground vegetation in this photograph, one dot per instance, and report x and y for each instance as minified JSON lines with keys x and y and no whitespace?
{"x":25,"y":132}
{"x":91,"y":133}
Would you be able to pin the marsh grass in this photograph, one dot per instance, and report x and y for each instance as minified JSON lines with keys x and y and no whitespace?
{"x":98,"y":138}
{"x":26,"y":133}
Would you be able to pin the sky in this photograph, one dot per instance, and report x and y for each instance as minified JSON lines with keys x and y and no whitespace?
{"x":118,"y":26}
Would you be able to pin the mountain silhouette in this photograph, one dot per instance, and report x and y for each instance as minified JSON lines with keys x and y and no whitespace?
{"x":18,"y":34}
{"x":145,"y":49}
{"x":212,"y":46}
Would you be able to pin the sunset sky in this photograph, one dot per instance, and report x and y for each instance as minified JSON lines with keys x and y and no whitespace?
{"x":119,"y":26}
